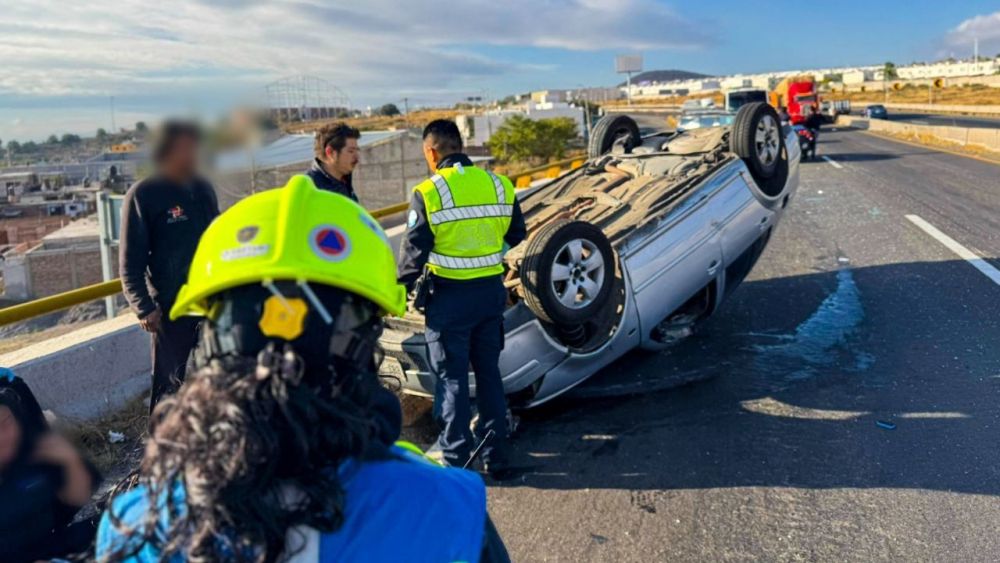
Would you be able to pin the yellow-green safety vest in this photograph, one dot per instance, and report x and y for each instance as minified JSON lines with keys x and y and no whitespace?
{"x":469,"y":210}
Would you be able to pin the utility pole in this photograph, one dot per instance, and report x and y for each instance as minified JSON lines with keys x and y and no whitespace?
{"x":406,"y":112}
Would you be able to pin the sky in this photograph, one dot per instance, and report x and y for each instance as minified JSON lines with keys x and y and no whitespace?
{"x":61,"y":62}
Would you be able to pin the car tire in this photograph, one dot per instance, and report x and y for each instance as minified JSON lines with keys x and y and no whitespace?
{"x":610,"y":129}
{"x":568,"y":272}
{"x":756,"y":137}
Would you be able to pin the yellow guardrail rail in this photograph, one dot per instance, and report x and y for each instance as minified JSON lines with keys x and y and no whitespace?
{"x":65,"y":300}
{"x":524,"y":178}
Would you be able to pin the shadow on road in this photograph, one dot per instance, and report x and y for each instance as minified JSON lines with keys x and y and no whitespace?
{"x":851,"y":378}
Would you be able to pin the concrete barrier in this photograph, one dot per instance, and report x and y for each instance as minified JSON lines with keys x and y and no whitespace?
{"x":985,"y":138}
{"x":946,"y":108}
{"x":88,"y":372}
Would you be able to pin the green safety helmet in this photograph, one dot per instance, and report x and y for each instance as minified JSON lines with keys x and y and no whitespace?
{"x":296,"y":234}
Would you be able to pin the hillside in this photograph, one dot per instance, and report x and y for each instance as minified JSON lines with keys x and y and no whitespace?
{"x":664,"y":76}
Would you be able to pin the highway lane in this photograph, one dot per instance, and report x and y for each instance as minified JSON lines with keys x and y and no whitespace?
{"x":843,"y":404}
{"x":949,"y":120}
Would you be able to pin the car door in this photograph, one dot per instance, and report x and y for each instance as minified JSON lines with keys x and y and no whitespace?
{"x":744,"y":221}
{"x":675,"y":261}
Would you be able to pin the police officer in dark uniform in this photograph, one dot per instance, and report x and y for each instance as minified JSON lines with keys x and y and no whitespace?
{"x":460,"y":223}
{"x":163,"y":216}
{"x":336,"y":157}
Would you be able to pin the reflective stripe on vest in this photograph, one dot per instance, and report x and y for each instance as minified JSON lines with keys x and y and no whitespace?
{"x":471,"y":212}
{"x":501,"y":192}
{"x":466,"y":262}
{"x":444,"y":192}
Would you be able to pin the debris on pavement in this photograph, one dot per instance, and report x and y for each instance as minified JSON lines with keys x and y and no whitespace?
{"x":885,"y":425}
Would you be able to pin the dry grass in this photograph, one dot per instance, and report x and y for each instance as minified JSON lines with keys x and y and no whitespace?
{"x":92,"y":436}
{"x":15,"y":343}
{"x":716,"y":97}
{"x":932,"y":141}
{"x":972,"y":95}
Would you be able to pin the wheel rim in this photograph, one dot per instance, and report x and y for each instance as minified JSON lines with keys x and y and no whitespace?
{"x":577,"y":273}
{"x":766,"y":140}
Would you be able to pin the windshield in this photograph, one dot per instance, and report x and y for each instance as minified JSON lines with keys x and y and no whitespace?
{"x":808,"y":99}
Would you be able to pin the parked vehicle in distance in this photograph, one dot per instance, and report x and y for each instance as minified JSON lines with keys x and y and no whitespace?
{"x":632,"y":250}
{"x":705,"y":118}
{"x":739,"y":97}
{"x":797,"y":94}
{"x":832,"y":108}
{"x":876,"y":111}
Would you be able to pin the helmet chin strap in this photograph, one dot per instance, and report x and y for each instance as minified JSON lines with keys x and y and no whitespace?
{"x":314,"y":300}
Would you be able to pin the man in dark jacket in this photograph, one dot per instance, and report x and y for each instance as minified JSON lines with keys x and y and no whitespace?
{"x":163,"y":217}
{"x":336,"y":156}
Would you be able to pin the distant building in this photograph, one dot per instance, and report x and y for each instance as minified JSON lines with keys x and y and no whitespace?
{"x":949,"y":69}
{"x":477,"y":129}
{"x":65,"y":259}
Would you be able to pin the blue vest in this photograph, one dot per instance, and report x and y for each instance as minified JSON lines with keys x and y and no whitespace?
{"x":401,"y":509}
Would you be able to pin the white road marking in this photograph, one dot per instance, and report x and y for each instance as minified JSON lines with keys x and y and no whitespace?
{"x":916,"y":122}
{"x":969,"y":256}
{"x":397,"y":230}
{"x":832,"y":162}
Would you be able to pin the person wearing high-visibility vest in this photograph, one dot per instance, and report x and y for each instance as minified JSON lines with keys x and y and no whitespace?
{"x":460,"y":222}
{"x":272,"y":451}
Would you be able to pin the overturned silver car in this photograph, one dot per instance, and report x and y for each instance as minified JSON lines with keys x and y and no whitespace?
{"x":632,"y":250}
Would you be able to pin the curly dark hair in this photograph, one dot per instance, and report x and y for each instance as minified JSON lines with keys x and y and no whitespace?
{"x":239,"y":435}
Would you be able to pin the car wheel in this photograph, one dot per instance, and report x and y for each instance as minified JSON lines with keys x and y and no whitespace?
{"x":568,"y":272}
{"x":611,"y":129}
{"x":756,"y":137}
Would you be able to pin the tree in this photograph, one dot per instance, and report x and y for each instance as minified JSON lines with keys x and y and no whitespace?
{"x":388,"y":110}
{"x":889,"y":71}
{"x":52,"y":140}
{"x":522,"y":139}
{"x":69,"y":139}
{"x":140,"y":126}
{"x":29,"y":146}
{"x":102,"y":134}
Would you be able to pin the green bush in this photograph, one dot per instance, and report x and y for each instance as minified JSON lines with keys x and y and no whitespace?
{"x":532,"y":140}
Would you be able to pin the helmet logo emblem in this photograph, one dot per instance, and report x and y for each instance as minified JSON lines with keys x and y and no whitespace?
{"x":246,"y":234}
{"x":330,"y":243}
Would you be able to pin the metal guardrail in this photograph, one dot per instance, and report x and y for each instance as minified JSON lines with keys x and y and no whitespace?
{"x":65,"y":300}
{"x":524,"y":178}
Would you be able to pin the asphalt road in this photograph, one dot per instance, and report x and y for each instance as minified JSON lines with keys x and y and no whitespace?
{"x":844,"y":403}
{"x":949,"y":120}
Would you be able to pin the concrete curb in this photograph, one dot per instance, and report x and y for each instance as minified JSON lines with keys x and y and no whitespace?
{"x":89,"y":372}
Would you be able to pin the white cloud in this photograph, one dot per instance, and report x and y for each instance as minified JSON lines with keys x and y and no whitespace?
{"x":985,"y":27}
{"x":133,"y":47}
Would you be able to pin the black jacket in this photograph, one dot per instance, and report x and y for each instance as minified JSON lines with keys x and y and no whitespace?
{"x":419,"y":239}
{"x":161,"y":224}
{"x":324,"y":181}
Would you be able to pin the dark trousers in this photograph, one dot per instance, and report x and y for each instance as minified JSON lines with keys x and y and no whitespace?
{"x":172,"y":346}
{"x":465,"y":326}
